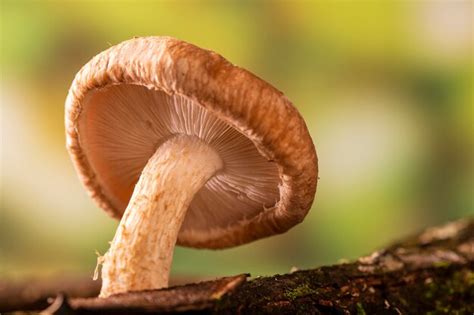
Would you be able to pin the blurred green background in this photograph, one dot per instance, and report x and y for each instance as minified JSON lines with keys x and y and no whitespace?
{"x":386,"y":89}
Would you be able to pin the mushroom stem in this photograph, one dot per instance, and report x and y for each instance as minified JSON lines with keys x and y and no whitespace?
{"x":141,"y":252}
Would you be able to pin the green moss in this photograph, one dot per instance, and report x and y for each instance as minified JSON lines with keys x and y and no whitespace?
{"x":458,"y":285}
{"x":299,"y":291}
{"x":469,"y":278}
{"x":403,"y":301}
{"x":360,"y":309}
{"x":431,"y":289}
{"x":442,"y":264}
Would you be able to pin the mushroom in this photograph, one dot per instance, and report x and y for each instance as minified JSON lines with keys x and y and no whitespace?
{"x":186,"y":149}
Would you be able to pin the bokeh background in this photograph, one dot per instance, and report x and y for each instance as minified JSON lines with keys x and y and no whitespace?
{"x":386,"y":89}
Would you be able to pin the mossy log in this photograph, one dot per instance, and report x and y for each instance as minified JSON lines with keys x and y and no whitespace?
{"x":429,"y":273}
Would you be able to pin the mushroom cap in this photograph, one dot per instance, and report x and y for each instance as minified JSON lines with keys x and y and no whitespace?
{"x":129,"y":98}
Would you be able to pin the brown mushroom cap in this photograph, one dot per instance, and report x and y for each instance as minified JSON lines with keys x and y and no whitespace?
{"x":130,"y":98}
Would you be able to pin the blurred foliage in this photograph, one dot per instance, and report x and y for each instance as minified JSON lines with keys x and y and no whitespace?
{"x":385,"y":88}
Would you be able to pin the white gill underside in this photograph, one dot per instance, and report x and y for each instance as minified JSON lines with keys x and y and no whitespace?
{"x":122,"y":126}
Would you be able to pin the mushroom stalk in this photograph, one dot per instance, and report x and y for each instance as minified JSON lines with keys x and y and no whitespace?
{"x":141,"y":252}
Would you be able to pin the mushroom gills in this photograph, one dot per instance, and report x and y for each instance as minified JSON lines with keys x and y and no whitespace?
{"x":141,"y":252}
{"x":122,"y":126}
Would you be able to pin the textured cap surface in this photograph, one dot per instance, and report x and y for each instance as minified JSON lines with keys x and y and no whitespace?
{"x":231,"y":95}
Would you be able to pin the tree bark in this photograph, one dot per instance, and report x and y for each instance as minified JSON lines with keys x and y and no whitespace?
{"x":429,"y":273}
